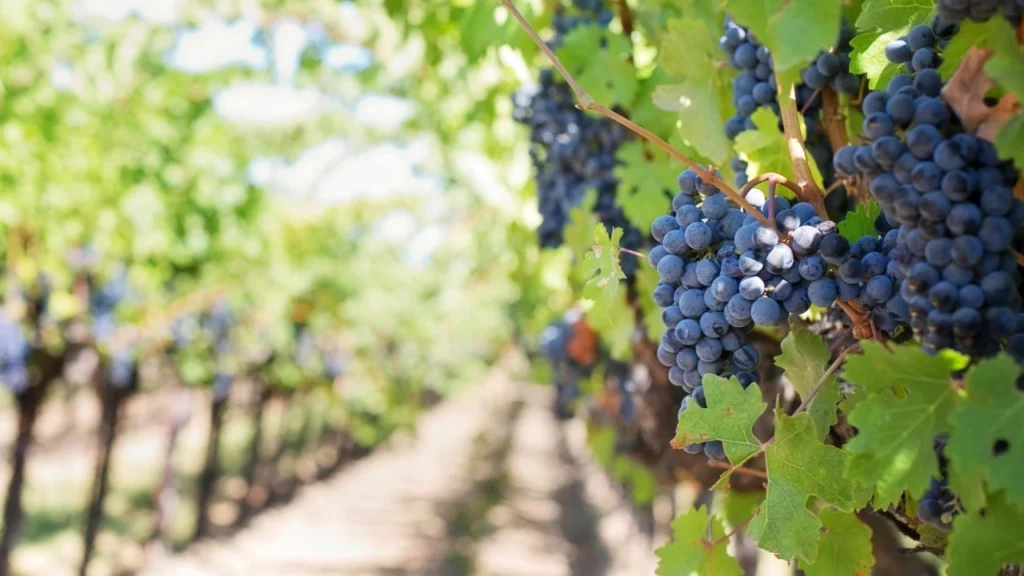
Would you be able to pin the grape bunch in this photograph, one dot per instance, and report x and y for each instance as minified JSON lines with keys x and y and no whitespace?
{"x":979,"y":10}
{"x":938,"y":505}
{"x":573,"y":152}
{"x":103,"y":301}
{"x":14,"y":351}
{"x":553,"y":343}
{"x":756,"y":86}
{"x":722,"y":272}
{"x":951,"y":198}
{"x":122,"y":373}
{"x":217,"y":326}
{"x":920,"y":49}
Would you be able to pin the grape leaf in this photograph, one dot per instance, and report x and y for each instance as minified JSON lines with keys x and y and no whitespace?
{"x":991,"y":415}
{"x":910,"y":401}
{"x":615,"y":326}
{"x":868,"y":57}
{"x":793,"y":30}
{"x":647,"y":114}
{"x":1006,"y":66}
{"x":737,"y":507}
{"x":599,"y":60}
{"x":689,"y":553}
{"x":971,"y":34}
{"x":1010,"y":140}
{"x":729,"y":417}
{"x":765,"y":149}
{"x":860,"y":222}
{"x":804,"y":358}
{"x":803,"y":28}
{"x":603,"y":273}
{"x":799,"y":466}
{"x":845,"y":548}
{"x":980,"y":544}
{"x":894,"y":14}
{"x":647,"y":280}
{"x":689,"y":52}
{"x":646,"y":178}
{"x":477,"y":29}
{"x":579,"y":232}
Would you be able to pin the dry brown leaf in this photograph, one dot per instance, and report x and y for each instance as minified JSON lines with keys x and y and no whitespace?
{"x":965,"y":92}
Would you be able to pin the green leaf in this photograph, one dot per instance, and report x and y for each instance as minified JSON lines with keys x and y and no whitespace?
{"x":729,"y":417}
{"x":799,"y":466}
{"x":647,"y":280}
{"x":910,"y":401}
{"x":894,"y":14}
{"x":646,"y":177}
{"x":599,"y":60}
{"x":602,"y":270}
{"x":477,"y":30}
{"x":860,"y":222}
{"x":615,"y":327}
{"x":689,"y":552}
{"x":1010,"y":140}
{"x":647,"y":114}
{"x":795,"y":31}
{"x":579,"y":232}
{"x":689,"y":52}
{"x":738,"y":506}
{"x":804,"y":358}
{"x":765,"y":149}
{"x":992,"y":414}
{"x":1006,"y":66}
{"x":803,"y":28}
{"x":845,"y":548}
{"x":602,"y":445}
{"x":868,"y":57}
{"x":980,"y":544}
{"x":971,"y":34}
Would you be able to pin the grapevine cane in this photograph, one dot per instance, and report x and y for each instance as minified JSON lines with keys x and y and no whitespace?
{"x":586,"y":102}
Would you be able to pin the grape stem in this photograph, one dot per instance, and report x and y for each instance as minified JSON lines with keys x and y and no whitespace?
{"x":1020,"y":258}
{"x":633,"y":252}
{"x":809,"y":191}
{"x":586,"y":102}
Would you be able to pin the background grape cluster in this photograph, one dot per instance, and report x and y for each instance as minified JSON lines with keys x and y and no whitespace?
{"x":979,"y":10}
{"x":756,"y":86}
{"x":571,"y":151}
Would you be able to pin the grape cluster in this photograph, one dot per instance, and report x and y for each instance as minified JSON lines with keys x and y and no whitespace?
{"x":920,"y":49}
{"x":951,"y":197}
{"x":122,"y":373}
{"x":572,"y":152}
{"x":756,"y":86}
{"x":722,"y":272}
{"x":217,"y":326}
{"x":979,"y":10}
{"x":103,"y":301}
{"x":554,"y":345}
{"x":14,"y":351}
{"x":938,"y":505}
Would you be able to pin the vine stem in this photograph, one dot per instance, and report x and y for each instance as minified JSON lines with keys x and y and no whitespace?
{"x":586,"y":102}
{"x":809,"y":191}
{"x":626,"y":17}
{"x":770,"y":177}
{"x":741,"y":469}
{"x":633,"y":252}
